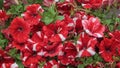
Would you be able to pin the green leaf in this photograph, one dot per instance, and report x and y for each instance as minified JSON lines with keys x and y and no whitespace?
{"x":59,"y":17}
{"x":48,"y":20}
{"x":1,"y":4}
{"x":41,"y":64}
{"x":16,"y":10}
{"x":50,"y":15}
{"x":111,"y":27}
{"x":117,"y":20}
{"x":81,"y":66}
{"x":39,"y":1}
{"x":13,"y":53}
{"x":62,"y":0}
{"x":3,"y":41}
{"x":97,"y":58}
{"x":20,"y":65}
{"x":89,"y":60}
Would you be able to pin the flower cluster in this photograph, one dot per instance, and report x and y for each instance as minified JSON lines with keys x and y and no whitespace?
{"x":61,"y":43}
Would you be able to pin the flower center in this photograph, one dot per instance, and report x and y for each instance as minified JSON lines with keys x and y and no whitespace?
{"x":107,"y":49}
{"x":34,"y":15}
{"x":20,"y":29}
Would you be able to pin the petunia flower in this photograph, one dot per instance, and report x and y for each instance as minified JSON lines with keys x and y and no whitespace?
{"x":31,"y":55}
{"x":32,"y":14}
{"x":93,"y":27}
{"x":86,"y":45}
{"x":107,"y":49}
{"x":52,"y":64}
{"x":68,"y":53}
{"x":115,"y":35}
{"x":19,"y":30}
{"x":3,"y":17}
{"x":91,"y":3}
{"x":65,"y":7}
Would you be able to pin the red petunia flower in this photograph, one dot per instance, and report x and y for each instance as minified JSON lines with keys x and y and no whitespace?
{"x":86,"y":45}
{"x":32,"y":18}
{"x":68,"y":53}
{"x":93,"y":27}
{"x":65,"y":7}
{"x":51,"y":64}
{"x":52,"y":50}
{"x":3,"y":17}
{"x":79,"y":16}
{"x":107,"y":49}
{"x":31,"y":55}
{"x":32,"y":15}
{"x":91,"y":3}
{"x":35,"y":8}
{"x":115,"y":35}
{"x":19,"y":30}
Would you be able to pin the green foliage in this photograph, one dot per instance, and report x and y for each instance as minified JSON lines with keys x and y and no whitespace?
{"x":41,"y":64}
{"x":81,"y":66}
{"x":62,"y":0}
{"x":20,"y":65}
{"x":90,"y":60}
{"x":39,"y":1}
{"x":50,"y":15}
{"x":3,"y":41}
{"x":16,"y":10}
{"x":1,"y":4}
{"x":13,"y":53}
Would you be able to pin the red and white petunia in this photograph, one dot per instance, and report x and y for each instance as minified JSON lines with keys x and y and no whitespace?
{"x":52,"y":50}
{"x":115,"y":35}
{"x":35,"y":8}
{"x":52,"y":64}
{"x":86,"y":45}
{"x":68,"y":53}
{"x":91,"y":3}
{"x":19,"y":30}
{"x":31,"y":55}
{"x":107,"y":49}
{"x":32,"y":15}
{"x":93,"y":27}
{"x":65,"y":7}
{"x":3,"y":17}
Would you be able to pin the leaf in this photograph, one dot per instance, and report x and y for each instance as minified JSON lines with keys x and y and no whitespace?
{"x":59,"y":17}
{"x":48,"y":20}
{"x":81,"y":66}
{"x":97,"y":58}
{"x":13,"y":53}
{"x":62,"y":0}
{"x":39,"y":1}
{"x":3,"y":41}
{"x":1,"y":4}
{"x":16,"y":9}
{"x":117,"y":20}
{"x":20,"y":65}
{"x":49,"y":15}
{"x":89,"y":60}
